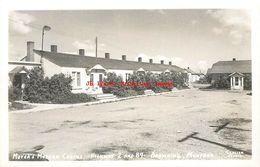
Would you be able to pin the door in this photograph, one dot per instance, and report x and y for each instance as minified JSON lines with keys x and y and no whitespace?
{"x":237,"y":82}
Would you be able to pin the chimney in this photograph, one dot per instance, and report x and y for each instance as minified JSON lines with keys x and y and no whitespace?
{"x":170,"y":63}
{"x":234,"y":59}
{"x":54,"y":48}
{"x":123,"y":57}
{"x":107,"y":55}
{"x":161,"y":61}
{"x":30,"y":53}
{"x":82,"y":52}
{"x":139,"y":59}
{"x":188,"y":68}
{"x":150,"y":60}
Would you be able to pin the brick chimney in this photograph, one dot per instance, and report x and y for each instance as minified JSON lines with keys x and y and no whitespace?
{"x":150,"y":60}
{"x":54,"y":48}
{"x":123,"y":57}
{"x":107,"y":55}
{"x":170,"y":63}
{"x":234,"y":59}
{"x":162,"y":62}
{"x":82,"y":52}
{"x":139,"y":59}
{"x":30,"y":53}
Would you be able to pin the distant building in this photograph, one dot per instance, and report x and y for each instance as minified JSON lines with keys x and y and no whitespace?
{"x":82,"y":68}
{"x":236,"y":71}
{"x":193,"y":76}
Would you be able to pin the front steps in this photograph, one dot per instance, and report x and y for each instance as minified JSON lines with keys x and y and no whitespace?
{"x":149,"y":92}
{"x":106,"y":97}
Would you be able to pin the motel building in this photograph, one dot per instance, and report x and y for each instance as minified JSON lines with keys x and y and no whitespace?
{"x":82,"y":68}
{"x":193,"y":76}
{"x":235,"y":70}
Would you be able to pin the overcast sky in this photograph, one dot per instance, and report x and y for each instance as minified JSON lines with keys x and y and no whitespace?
{"x":194,"y":38}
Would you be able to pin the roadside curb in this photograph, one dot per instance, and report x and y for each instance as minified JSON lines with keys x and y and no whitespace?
{"x":39,"y":108}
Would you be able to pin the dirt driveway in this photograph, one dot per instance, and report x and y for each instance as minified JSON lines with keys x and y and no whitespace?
{"x":143,"y":128}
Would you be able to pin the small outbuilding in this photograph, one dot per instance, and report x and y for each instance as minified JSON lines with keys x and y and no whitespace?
{"x":236,"y":81}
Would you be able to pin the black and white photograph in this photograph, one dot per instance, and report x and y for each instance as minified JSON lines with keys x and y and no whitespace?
{"x":129,"y":85}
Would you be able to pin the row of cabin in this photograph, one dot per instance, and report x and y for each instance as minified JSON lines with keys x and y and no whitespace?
{"x":82,"y":68}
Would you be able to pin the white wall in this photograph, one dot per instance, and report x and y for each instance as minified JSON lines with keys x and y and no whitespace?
{"x":121,"y":73}
{"x":50,"y":68}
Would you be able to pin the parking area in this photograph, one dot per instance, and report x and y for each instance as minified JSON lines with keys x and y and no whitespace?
{"x":189,"y":124}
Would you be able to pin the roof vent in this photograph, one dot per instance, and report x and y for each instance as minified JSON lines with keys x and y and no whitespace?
{"x":123,"y":57}
{"x":54,"y":48}
{"x":107,"y":55}
{"x":82,"y":52}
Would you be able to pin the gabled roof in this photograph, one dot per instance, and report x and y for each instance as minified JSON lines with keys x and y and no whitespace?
{"x":241,"y":66}
{"x":97,"y":67}
{"x":73,"y":60}
{"x":19,"y":69}
{"x":236,"y":74}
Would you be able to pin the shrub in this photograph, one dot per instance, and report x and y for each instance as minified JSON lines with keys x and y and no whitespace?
{"x":14,"y":93}
{"x":221,"y":82}
{"x":56,"y":89}
{"x":138,"y":78}
{"x":248,"y":82}
{"x":112,"y":78}
{"x":72,"y":98}
{"x":36,"y":87}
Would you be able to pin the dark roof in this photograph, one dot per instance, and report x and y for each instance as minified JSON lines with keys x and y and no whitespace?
{"x":242,"y":66}
{"x":72,"y":60}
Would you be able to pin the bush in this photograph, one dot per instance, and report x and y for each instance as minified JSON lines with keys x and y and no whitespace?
{"x":177,"y":78}
{"x":36,"y":87}
{"x":14,"y":93}
{"x":56,"y":89}
{"x":112,"y":78}
{"x":248,"y":82}
{"x":221,"y":82}
{"x":138,"y":78}
{"x":72,"y":98}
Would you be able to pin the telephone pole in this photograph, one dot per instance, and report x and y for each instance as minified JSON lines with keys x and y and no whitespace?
{"x":96,"y":45}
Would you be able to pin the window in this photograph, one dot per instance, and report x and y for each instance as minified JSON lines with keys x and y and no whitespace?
{"x":91,"y":77}
{"x":75,"y":79}
{"x":236,"y":81}
{"x":100,"y":77}
{"x":78,"y":78}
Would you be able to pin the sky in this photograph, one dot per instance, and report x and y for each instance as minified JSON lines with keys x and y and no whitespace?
{"x":189,"y":38}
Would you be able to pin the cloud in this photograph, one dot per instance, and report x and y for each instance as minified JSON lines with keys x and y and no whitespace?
{"x":84,"y":44}
{"x":87,"y":45}
{"x":217,"y":31}
{"x":19,"y":22}
{"x":236,"y":22}
{"x":237,"y":36}
{"x":202,"y":65}
{"x":194,"y":22}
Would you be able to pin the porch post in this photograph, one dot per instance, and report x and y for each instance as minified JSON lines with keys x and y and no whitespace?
{"x":242,"y":83}
{"x":231,"y":82}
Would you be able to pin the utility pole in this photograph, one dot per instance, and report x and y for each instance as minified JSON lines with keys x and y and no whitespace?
{"x":96,"y":45}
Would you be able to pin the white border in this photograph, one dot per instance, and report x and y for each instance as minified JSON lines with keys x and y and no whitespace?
{"x":7,"y":5}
